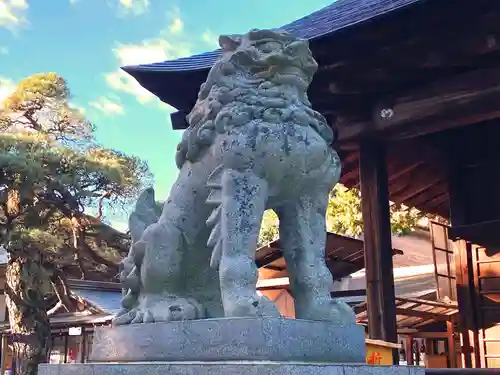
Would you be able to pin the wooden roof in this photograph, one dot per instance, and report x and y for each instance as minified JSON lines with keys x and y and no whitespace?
{"x":344,"y":255}
{"x":414,"y":313}
{"x":177,"y":82}
{"x":65,"y":320}
{"x":332,"y":18}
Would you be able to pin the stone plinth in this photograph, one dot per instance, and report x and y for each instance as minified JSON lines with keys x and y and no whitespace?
{"x":241,"y":346}
{"x":225,"y":368}
{"x":235,"y":339}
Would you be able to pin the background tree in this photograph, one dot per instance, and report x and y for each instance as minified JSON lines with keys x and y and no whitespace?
{"x":344,"y":216}
{"x":51,"y":168}
{"x":269,"y":230}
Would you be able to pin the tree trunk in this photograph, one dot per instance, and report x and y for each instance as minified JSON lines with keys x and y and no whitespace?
{"x":27,"y":311}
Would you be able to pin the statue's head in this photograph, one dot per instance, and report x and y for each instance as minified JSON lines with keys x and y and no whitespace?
{"x":259,"y":70}
{"x":268,"y":55}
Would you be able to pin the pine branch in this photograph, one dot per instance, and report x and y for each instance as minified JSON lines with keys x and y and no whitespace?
{"x":61,"y":289}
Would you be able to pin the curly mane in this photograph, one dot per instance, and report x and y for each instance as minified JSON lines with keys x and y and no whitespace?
{"x":261,"y":75}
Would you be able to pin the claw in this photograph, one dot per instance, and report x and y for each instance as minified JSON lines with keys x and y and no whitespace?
{"x":138,"y":318}
{"x":124,"y":318}
{"x":132,"y":281}
{"x":129,"y":300}
{"x":200,"y":311}
{"x":148,"y":317}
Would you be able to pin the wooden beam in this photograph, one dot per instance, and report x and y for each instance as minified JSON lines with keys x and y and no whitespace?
{"x":423,"y":314}
{"x":454,"y":47}
{"x":428,"y":302}
{"x":350,"y":178}
{"x":405,"y":169}
{"x":423,"y":111}
{"x":398,"y":171}
{"x":178,"y":120}
{"x":273,"y":284}
{"x":421,"y":335}
{"x":421,"y":199}
{"x":348,"y":293}
{"x":435,"y":203}
{"x":381,"y":307}
{"x":484,"y":234}
{"x":415,"y":189}
{"x":432,"y":108}
{"x":273,"y":268}
{"x":266,"y":255}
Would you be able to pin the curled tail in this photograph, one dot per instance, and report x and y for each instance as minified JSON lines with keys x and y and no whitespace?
{"x":144,"y":215}
{"x":214,"y":183}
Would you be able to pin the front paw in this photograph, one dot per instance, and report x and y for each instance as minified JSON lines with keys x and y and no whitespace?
{"x":153,"y":309}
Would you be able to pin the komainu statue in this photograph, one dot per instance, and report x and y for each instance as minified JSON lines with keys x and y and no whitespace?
{"x":253,"y":143}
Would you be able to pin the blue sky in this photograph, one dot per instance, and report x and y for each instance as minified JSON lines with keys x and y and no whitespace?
{"x":86,"y":41}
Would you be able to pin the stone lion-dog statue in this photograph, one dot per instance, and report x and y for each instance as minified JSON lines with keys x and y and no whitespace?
{"x":253,"y":143}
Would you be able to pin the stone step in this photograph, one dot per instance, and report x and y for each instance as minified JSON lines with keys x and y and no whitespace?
{"x":226,"y":368}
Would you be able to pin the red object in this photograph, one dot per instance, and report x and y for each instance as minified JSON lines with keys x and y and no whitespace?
{"x":374,"y":359}
{"x":72,"y":353}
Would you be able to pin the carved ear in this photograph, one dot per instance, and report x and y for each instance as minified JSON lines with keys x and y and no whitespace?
{"x":229,"y":42}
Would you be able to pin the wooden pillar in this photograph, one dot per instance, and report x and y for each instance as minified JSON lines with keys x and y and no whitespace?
{"x":380,"y":294}
{"x":5,"y":348}
{"x":461,"y":213}
{"x":409,"y":350}
{"x":66,"y":335}
{"x":465,"y":304}
{"x":452,"y":351}
{"x":83,"y":346}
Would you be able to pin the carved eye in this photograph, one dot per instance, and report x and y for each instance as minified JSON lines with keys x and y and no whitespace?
{"x":269,"y":47}
{"x":291,"y":49}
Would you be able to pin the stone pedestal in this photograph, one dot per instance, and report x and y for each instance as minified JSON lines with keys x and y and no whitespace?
{"x":229,"y":346}
{"x":225,"y":368}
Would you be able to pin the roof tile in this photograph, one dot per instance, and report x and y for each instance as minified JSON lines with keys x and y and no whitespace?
{"x":334,"y":17}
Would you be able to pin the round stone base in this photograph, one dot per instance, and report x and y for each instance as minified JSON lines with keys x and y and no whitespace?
{"x":231,"y":339}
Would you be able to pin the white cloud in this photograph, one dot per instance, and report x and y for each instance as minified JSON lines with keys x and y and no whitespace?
{"x":146,"y":52}
{"x":4,"y":50}
{"x":107,"y":106}
{"x":149,"y":51}
{"x":210,"y":38}
{"x":7,"y":87}
{"x":12,"y":13}
{"x":121,"y":81}
{"x":176,"y":26}
{"x":134,"y":7}
{"x":73,"y":2}
{"x":166,"y":107}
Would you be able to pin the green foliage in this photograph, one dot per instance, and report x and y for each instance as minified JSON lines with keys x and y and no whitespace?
{"x":269,"y":228}
{"x":344,"y":216}
{"x":51,"y":168}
